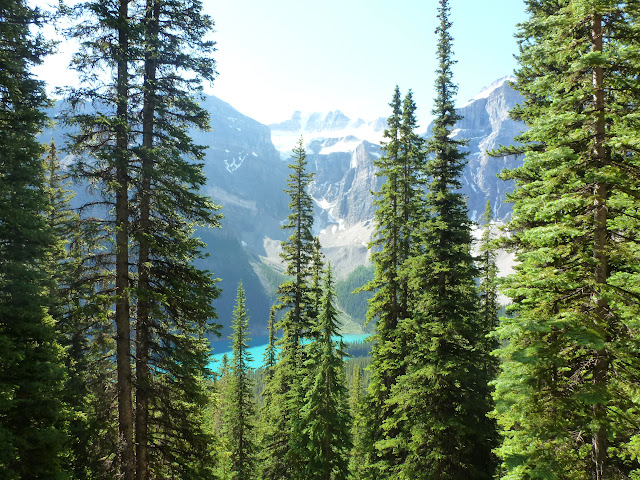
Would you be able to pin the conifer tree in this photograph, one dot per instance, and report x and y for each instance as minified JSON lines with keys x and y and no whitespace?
{"x":135,"y":146}
{"x":31,"y":375}
{"x":488,"y":271}
{"x":82,"y":319}
{"x":356,"y":404}
{"x":567,"y":396}
{"x":103,"y":159}
{"x":440,"y":403}
{"x":176,"y":59}
{"x":283,"y":446}
{"x":240,"y":409}
{"x":387,"y":356}
{"x":325,"y":414}
{"x":400,"y":211}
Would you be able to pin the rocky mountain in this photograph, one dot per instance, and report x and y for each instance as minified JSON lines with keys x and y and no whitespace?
{"x":341,"y":152}
{"x":246,"y":165}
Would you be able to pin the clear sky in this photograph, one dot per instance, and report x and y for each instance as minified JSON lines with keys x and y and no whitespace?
{"x":278,"y":56}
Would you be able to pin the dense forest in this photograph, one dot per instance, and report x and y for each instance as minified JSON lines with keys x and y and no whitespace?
{"x":105,"y":319}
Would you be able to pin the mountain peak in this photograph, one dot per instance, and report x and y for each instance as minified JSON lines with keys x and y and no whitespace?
{"x":488,"y":90}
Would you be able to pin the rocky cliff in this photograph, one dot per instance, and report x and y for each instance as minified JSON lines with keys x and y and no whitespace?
{"x":246,"y":166}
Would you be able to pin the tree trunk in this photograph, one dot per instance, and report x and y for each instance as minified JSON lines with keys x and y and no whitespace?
{"x":143,"y":327}
{"x":123,"y":328}
{"x":601,"y":366}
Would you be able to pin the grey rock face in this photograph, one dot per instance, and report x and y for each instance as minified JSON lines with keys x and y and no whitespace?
{"x":486,"y":125}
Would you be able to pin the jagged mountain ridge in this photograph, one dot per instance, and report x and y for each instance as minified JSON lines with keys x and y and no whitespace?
{"x":342,"y":158}
{"x":246,"y":166}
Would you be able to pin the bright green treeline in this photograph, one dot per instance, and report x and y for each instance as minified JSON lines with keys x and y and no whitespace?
{"x":568,"y":398}
{"x":240,"y":409}
{"x":426,"y":411}
{"x":305,"y":429}
{"x":31,"y":373}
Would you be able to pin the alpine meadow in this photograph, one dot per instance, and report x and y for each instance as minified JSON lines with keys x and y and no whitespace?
{"x":187,"y":293}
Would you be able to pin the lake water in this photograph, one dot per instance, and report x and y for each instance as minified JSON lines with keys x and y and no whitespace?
{"x":258,"y":346}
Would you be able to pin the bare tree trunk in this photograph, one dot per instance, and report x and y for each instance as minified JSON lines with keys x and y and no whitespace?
{"x":601,"y":366}
{"x":143,"y":325}
{"x":123,"y":327}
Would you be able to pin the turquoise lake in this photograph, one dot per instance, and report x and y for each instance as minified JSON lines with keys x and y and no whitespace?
{"x":258,"y":345}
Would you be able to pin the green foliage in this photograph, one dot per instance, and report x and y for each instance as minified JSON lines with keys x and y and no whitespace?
{"x":566,"y":398}
{"x":325,"y":414}
{"x":282,"y":453}
{"x":438,"y":424}
{"x":31,"y":374}
{"x":135,"y":149}
{"x":399,"y":213}
{"x":240,"y":409}
{"x":355,"y":304}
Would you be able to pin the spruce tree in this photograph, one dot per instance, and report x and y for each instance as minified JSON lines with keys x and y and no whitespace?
{"x":387,"y":356}
{"x":325,"y":414}
{"x":567,"y":397}
{"x":31,"y":375}
{"x":283,"y":446}
{"x":489,"y":305}
{"x":103,"y":160}
{"x":134,"y":146}
{"x":82,"y":320}
{"x":440,"y":403}
{"x":240,"y":408}
{"x":173,"y":297}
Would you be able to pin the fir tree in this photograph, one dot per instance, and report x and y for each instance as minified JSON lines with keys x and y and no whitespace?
{"x":135,"y":147}
{"x":356,"y":403}
{"x":440,"y":404}
{"x":283,"y":445}
{"x":240,"y":409}
{"x":103,"y":159}
{"x":325,"y":414}
{"x":567,"y":396}
{"x":173,"y":298}
{"x":82,"y":319}
{"x":388,"y":354}
{"x":489,"y":305}
{"x":31,"y":375}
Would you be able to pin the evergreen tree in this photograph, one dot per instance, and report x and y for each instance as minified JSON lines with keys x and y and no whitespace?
{"x":567,"y":397}
{"x":489,"y":305}
{"x":135,"y":147}
{"x":173,"y":298}
{"x":82,"y":319}
{"x":283,"y":446}
{"x":325,"y":414}
{"x":440,"y":404}
{"x":356,"y":403}
{"x":103,"y":160}
{"x":400,"y":211}
{"x":31,"y":375}
{"x":240,"y":411}
{"x":388,"y":356}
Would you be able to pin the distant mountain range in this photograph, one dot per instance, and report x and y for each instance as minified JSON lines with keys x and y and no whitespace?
{"x":246,"y":165}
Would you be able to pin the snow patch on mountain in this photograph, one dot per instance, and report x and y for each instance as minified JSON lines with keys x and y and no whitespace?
{"x":325,"y":133}
{"x":487,"y":91}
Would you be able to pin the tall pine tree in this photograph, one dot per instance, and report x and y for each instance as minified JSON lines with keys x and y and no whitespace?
{"x":283,"y":445}
{"x":325,"y":414}
{"x":240,"y":409}
{"x":400,"y":209}
{"x":31,"y":428}
{"x":440,"y":404}
{"x":133,"y":144}
{"x":567,"y":397}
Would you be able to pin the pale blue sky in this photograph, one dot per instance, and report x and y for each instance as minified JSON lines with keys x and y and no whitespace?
{"x":278,"y":56}
{"x":281,"y":55}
